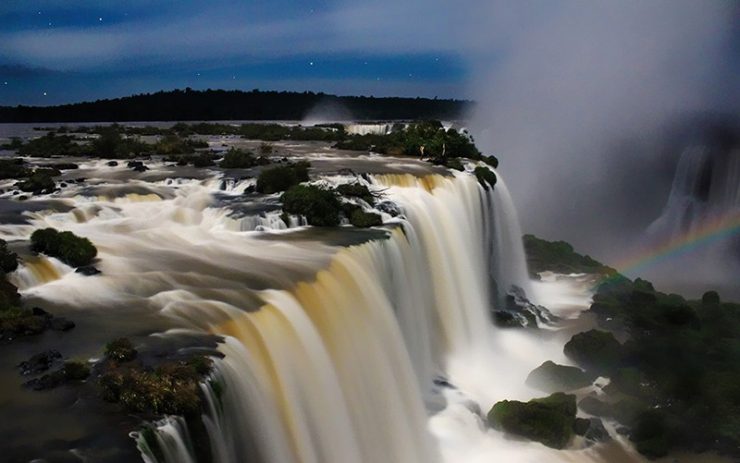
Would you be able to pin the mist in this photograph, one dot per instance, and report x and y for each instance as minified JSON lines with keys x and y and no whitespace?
{"x":583,"y":104}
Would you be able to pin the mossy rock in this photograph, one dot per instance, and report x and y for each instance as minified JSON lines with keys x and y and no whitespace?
{"x":66,"y":246}
{"x":548,"y":420}
{"x":594,"y":349}
{"x":356,"y":190}
{"x":320,"y":207}
{"x":551,"y":377}
{"x":238,"y":159}
{"x":362,"y":219}
{"x":41,"y":181}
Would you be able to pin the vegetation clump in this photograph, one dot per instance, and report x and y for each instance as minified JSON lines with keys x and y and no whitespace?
{"x":238,"y":159}
{"x":8,"y":259}
{"x":41,"y":181}
{"x":485,"y":177}
{"x":320,"y":207}
{"x":559,"y":257}
{"x":120,"y":350}
{"x":66,"y":246}
{"x":549,"y":420}
{"x":71,"y":371}
{"x":594,"y":349}
{"x":356,"y":190}
{"x":280,"y":178}
{"x":13,"y":168}
{"x":170,"y":388}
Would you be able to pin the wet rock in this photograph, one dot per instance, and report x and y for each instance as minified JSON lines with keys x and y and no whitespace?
{"x":112,"y":163}
{"x":594,"y":349}
{"x":88,"y":270}
{"x":61,"y":324}
{"x":591,"y":428}
{"x":549,"y":420}
{"x":137,"y":166}
{"x":551,"y":377}
{"x":516,"y":302}
{"x":505,"y":319}
{"x":390,"y":208}
{"x":39,"y":363}
{"x":71,"y":371}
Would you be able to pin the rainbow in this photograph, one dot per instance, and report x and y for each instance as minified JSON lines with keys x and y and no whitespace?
{"x":709,"y":232}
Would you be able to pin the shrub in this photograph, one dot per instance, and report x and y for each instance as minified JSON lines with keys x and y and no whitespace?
{"x":66,"y":246}
{"x":238,"y":159}
{"x":356,"y":190}
{"x":280,"y":178}
{"x":120,"y":350}
{"x":13,"y":168}
{"x":485,"y":177}
{"x":320,"y":207}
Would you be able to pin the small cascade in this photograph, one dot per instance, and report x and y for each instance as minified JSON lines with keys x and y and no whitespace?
{"x":172,"y":440}
{"x":38,"y":270}
{"x":368,"y":129}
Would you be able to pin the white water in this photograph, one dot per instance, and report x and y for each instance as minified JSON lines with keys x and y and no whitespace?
{"x":337,"y":368}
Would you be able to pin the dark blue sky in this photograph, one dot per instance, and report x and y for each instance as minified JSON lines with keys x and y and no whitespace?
{"x":56,"y":51}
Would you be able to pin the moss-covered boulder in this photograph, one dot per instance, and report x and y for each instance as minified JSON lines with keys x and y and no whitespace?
{"x":549,"y":420}
{"x":66,"y":246}
{"x":551,"y":377}
{"x":41,"y":181}
{"x":363,"y":219}
{"x":485,"y":177}
{"x":320,"y":207}
{"x":594,"y":349}
{"x":280,"y":178}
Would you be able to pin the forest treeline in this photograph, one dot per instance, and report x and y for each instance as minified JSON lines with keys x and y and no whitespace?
{"x":209,"y":105}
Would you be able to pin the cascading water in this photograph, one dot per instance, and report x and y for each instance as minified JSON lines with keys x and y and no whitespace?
{"x":339,"y":367}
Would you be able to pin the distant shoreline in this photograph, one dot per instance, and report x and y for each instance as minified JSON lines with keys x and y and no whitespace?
{"x":235,"y":105}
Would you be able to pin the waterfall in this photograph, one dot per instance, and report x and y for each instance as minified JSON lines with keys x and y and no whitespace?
{"x":339,"y":368}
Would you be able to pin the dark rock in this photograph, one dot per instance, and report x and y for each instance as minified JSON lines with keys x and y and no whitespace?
{"x":39,"y":312}
{"x":549,"y":420}
{"x":39,"y":363}
{"x":389,"y":208}
{"x":596,"y":350}
{"x":112,"y":163}
{"x":551,"y":377}
{"x":505,"y":319}
{"x":362,"y":219}
{"x":580,"y":426}
{"x":61,"y":324}
{"x":250,"y":189}
{"x":596,"y":431}
{"x":516,"y":302}
{"x":88,"y":270}
{"x":137,"y":166}
{"x":71,"y":371}
{"x":71,"y":249}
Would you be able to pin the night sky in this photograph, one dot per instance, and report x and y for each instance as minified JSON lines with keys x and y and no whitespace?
{"x":58,"y":51}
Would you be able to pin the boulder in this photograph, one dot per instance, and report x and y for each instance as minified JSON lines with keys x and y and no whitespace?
{"x":594,"y":349}
{"x":40,"y":362}
{"x":549,"y":420}
{"x":87,"y":270}
{"x":551,"y":377}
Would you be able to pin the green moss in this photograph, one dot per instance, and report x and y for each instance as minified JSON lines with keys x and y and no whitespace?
{"x":362,"y":219}
{"x":320,"y":207}
{"x":356,"y":190}
{"x":280,"y":178}
{"x":548,"y":420}
{"x":120,"y":350}
{"x":66,"y":246}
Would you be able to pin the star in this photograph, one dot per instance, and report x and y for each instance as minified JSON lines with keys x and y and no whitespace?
{"x":5,"y":83}
{"x":311,"y":63}
{"x":100,"y":20}
{"x":44,"y":93}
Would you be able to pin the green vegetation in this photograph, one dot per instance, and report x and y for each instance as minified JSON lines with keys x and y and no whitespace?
{"x":356,"y":190}
{"x":485,"y":177}
{"x":8,"y":259}
{"x":280,"y":178}
{"x":120,"y":350}
{"x":559,"y":257}
{"x":110,"y":144}
{"x":320,"y":207}
{"x":40,"y":181}
{"x":240,"y":159}
{"x":551,"y":377}
{"x":66,"y":246}
{"x":549,"y":420}
{"x":171,"y":388}
{"x":13,"y":168}
{"x":193,"y":105}
{"x":597,"y":350}
{"x":51,"y":145}
{"x":362,"y":219}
